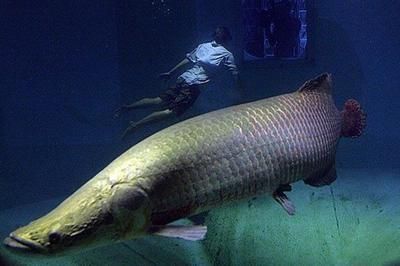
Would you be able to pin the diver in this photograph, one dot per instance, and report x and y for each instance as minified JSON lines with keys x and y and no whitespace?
{"x":207,"y":59}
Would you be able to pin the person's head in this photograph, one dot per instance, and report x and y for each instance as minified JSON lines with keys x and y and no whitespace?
{"x":222,"y":35}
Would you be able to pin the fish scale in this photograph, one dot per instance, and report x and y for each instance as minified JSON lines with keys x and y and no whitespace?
{"x":286,"y":138}
{"x":197,"y":164}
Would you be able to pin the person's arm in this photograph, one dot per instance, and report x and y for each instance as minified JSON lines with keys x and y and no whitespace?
{"x":168,"y":74}
{"x":180,"y":64}
{"x":230,"y":64}
{"x":236,"y":79}
{"x":238,"y":84}
{"x":190,"y":57}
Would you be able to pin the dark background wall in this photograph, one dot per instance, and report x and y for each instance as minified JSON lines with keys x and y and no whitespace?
{"x":59,"y":86}
{"x":67,"y":65}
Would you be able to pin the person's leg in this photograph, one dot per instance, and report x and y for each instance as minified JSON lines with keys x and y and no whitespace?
{"x":153,"y":117}
{"x":145,"y":102}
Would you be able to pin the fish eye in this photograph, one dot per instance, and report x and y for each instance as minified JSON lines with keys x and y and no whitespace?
{"x":54,"y":238}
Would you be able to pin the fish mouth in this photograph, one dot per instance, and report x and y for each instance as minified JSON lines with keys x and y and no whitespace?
{"x":19,"y":244}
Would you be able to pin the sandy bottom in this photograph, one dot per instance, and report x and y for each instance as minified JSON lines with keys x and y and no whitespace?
{"x":356,"y":221}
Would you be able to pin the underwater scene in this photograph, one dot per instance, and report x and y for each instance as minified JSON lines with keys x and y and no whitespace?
{"x":200,"y":132}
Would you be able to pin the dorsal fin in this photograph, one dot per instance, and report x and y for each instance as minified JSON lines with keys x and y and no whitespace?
{"x":321,"y":83}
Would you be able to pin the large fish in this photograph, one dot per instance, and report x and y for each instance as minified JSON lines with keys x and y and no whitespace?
{"x":200,"y":163}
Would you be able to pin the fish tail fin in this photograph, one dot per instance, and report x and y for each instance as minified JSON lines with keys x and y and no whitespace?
{"x":353,"y":119}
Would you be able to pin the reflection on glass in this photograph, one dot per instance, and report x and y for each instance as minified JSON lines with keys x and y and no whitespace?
{"x":274,"y":29}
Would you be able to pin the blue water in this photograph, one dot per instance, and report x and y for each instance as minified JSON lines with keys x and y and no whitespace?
{"x":66,"y":66}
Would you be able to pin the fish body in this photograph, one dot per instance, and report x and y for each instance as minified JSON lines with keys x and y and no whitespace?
{"x":195,"y":165}
{"x":236,"y":153}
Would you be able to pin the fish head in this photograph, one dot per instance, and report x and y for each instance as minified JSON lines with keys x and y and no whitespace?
{"x":83,"y":221}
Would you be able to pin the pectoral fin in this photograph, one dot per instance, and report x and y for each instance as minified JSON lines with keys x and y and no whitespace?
{"x":191,"y":232}
{"x":283,"y":200}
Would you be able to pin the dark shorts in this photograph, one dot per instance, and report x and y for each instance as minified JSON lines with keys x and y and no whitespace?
{"x":180,"y":99}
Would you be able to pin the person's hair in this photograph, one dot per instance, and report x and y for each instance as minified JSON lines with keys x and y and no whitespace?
{"x":222,"y":34}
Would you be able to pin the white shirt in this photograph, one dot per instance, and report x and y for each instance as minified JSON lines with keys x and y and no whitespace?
{"x":208,"y":59}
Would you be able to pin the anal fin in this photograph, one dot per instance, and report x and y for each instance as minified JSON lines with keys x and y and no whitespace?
{"x":323,"y":179}
{"x":191,"y":232}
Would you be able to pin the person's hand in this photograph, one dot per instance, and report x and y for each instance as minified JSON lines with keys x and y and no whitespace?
{"x":165,"y":76}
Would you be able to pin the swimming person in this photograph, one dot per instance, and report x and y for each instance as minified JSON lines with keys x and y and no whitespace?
{"x":207,"y":59}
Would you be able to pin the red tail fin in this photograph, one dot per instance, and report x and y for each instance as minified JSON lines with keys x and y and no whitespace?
{"x":353,"y":119}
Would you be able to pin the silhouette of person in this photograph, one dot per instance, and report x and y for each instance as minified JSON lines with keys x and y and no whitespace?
{"x":282,"y":28}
